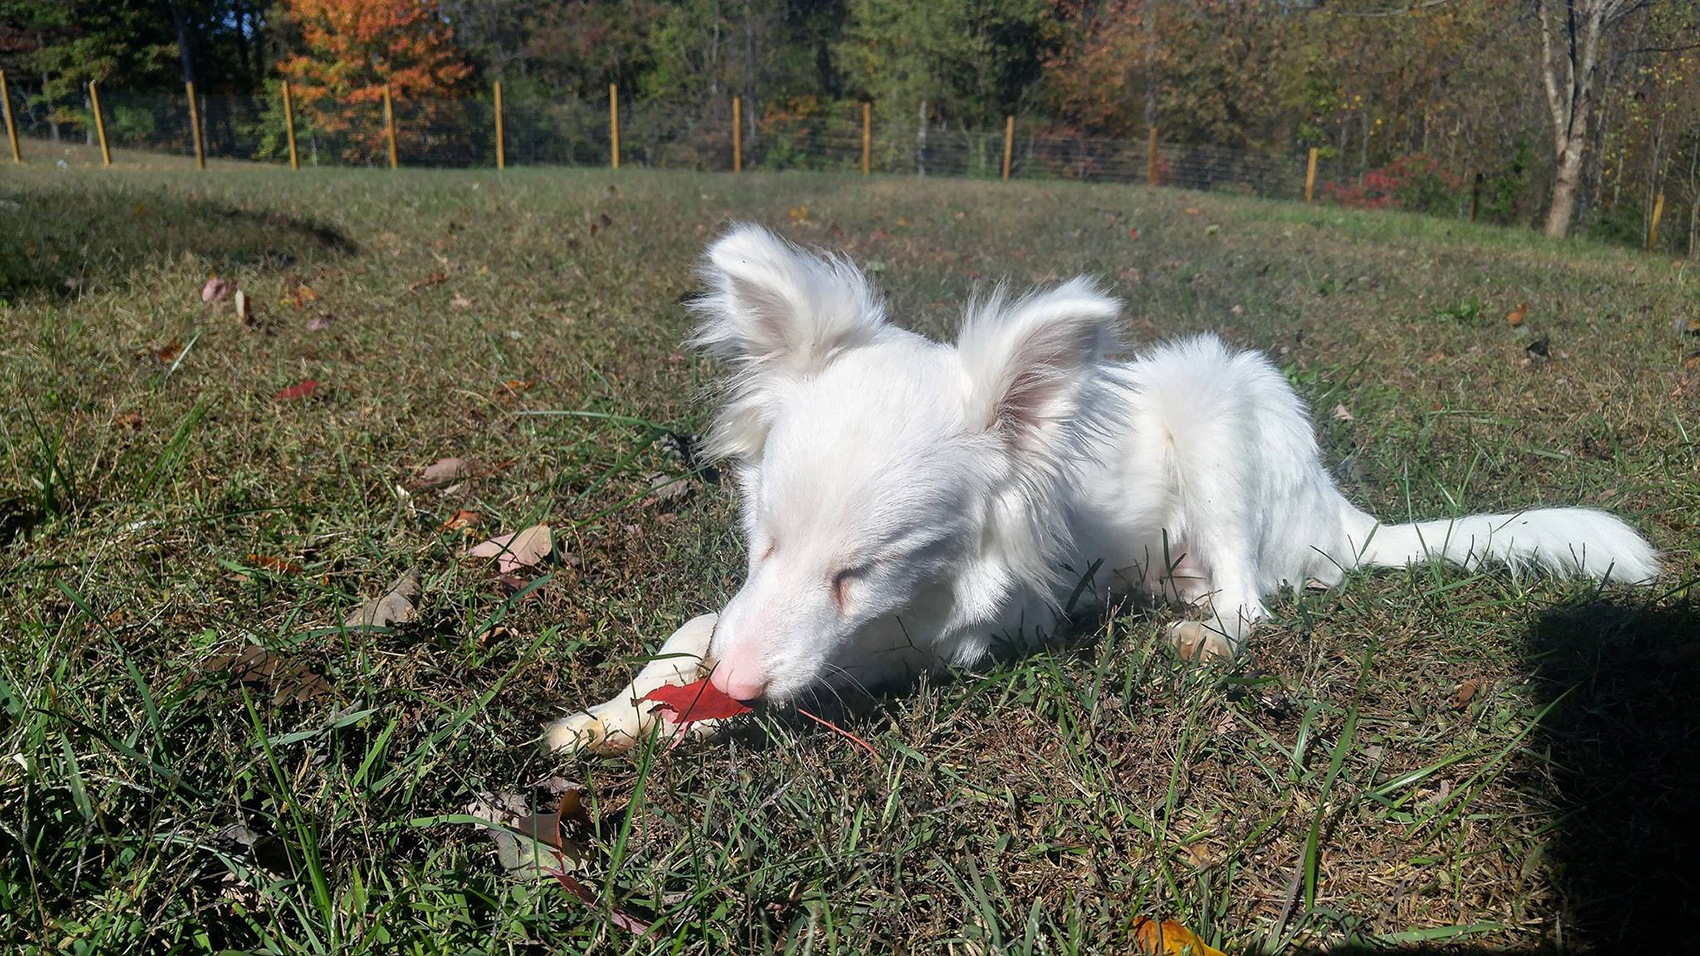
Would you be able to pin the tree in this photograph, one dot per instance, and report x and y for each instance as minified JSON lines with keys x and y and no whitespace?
{"x":1567,"y":74}
{"x":351,"y":50}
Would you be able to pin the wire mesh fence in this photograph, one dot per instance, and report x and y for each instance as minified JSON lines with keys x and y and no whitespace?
{"x":535,"y":130}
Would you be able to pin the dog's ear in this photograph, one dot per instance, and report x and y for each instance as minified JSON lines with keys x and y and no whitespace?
{"x":778,"y":314}
{"x":1030,"y":362}
{"x":771,"y":306}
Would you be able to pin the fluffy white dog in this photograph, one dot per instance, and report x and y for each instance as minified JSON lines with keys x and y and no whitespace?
{"x":908,"y":504}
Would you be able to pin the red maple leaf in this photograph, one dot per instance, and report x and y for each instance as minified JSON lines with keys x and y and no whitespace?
{"x":304,"y":390}
{"x":690,"y":703}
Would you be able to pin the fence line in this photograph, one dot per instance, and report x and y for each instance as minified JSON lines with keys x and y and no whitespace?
{"x":304,"y":127}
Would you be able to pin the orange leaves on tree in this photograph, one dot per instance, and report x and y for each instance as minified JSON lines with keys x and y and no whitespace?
{"x":351,"y":49}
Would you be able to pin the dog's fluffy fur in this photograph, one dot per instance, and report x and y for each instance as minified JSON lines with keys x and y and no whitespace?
{"x":908,"y":503}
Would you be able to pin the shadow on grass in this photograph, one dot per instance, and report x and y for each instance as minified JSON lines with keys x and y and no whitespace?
{"x":1623,"y":750}
{"x":65,"y":240}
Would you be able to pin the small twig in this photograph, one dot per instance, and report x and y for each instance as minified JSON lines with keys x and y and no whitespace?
{"x":842,"y":732}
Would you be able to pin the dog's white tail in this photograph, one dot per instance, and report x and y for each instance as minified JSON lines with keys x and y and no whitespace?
{"x":1571,"y":541}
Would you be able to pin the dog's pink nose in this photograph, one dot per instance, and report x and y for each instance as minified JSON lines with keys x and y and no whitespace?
{"x":739,"y":683}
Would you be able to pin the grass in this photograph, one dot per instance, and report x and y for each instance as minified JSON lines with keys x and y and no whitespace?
{"x":1427,"y":758}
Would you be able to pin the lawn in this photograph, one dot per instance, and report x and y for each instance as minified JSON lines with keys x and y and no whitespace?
{"x":196,"y":754}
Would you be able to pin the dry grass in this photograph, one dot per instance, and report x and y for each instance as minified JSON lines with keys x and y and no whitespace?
{"x":1339,"y":787}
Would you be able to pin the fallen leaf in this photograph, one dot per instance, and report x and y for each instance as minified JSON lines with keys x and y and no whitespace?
{"x":1160,"y":939}
{"x":1133,"y":233}
{"x":1465,"y":692}
{"x":243,"y":313}
{"x":304,"y":294}
{"x":319,"y":323}
{"x":531,"y":845}
{"x":619,"y":917}
{"x":462,"y":519}
{"x":667,"y":489}
{"x":445,"y":469}
{"x":169,"y":354}
{"x":521,"y":549}
{"x":1192,"y":211}
{"x":1514,"y":318}
{"x":460,"y":301}
{"x":391,"y":608}
{"x":291,"y":678}
{"x":431,"y":279}
{"x":695,"y":701}
{"x":216,"y":289}
{"x":273,"y":563}
{"x":133,"y":420}
{"x":301,"y":391}
{"x":512,"y":389}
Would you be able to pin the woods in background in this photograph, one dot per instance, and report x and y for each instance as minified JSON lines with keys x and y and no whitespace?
{"x":1571,"y":112}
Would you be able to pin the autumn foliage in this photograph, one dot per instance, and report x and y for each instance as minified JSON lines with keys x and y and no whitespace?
{"x":350,"y":49}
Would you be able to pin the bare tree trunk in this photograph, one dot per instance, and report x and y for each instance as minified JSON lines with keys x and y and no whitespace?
{"x":47,"y":101}
{"x":921,"y":142}
{"x":1568,"y":78}
{"x":1149,"y":15}
{"x":1694,"y":201}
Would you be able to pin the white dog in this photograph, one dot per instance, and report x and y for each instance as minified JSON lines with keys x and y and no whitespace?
{"x":908,"y":504}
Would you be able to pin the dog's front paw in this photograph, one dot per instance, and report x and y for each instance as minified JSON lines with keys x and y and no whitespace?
{"x":610,"y":728}
{"x":1194,"y":641}
{"x":615,"y":726}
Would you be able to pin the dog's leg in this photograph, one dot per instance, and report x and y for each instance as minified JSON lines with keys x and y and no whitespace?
{"x":1232,"y":608}
{"x":618,"y":724}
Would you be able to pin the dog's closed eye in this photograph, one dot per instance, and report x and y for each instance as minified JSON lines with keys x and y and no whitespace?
{"x":841,"y":582}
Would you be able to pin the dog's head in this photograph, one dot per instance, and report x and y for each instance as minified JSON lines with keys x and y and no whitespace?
{"x":880,"y":471}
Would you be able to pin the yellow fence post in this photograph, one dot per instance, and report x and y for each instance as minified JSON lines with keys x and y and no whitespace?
{"x":1151,"y":160}
{"x":1310,"y":176}
{"x":389,"y":124}
{"x":737,"y":134}
{"x":1653,"y":227}
{"x":11,"y":127}
{"x":1008,"y":143}
{"x":289,"y":126}
{"x":99,"y":125}
{"x":867,"y":138}
{"x":501,"y":147}
{"x":195,"y":128}
{"x":614,"y":124}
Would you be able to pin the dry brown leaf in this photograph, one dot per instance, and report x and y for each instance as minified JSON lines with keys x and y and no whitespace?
{"x":431,"y":279}
{"x":169,"y":353}
{"x":1465,"y":692}
{"x":1343,"y":414}
{"x":244,"y":314}
{"x":391,"y":608}
{"x":216,"y":289}
{"x":273,"y":563}
{"x":462,"y":518}
{"x":1514,"y":318}
{"x":290,"y":678}
{"x":512,"y":389}
{"x":1170,"y":937}
{"x":521,"y":549}
{"x":445,"y":470}
{"x":304,"y":294}
{"x":319,"y":323}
